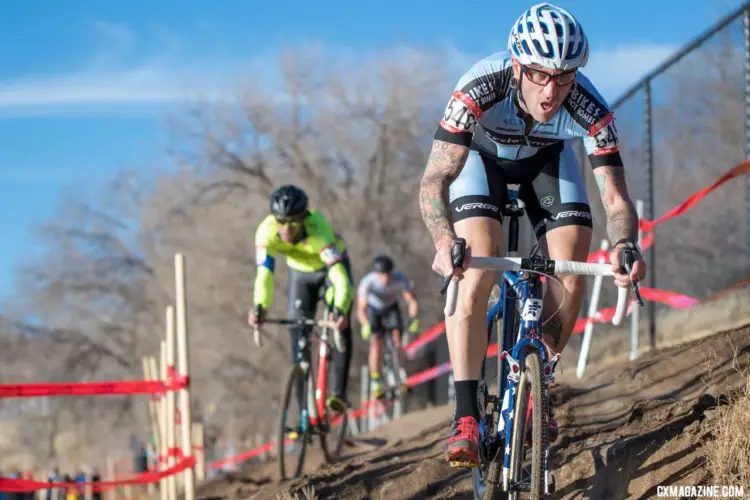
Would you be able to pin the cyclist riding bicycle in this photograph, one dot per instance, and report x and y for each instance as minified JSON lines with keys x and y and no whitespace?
{"x":512,"y":119}
{"x":379,"y":314}
{"x":316,"y":257}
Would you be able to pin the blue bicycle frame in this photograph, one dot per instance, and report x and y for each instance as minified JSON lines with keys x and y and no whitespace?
{"x":517,"y":340}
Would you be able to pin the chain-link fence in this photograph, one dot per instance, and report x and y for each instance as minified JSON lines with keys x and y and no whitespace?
{"x":681,"y":128}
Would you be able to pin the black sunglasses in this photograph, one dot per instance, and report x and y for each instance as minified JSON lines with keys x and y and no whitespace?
{"x":541,"y":78}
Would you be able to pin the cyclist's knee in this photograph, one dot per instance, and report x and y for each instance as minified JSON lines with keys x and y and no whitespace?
{"x":573,"y":284}
{"x":475,"y":287}
{"x":571,"y":242}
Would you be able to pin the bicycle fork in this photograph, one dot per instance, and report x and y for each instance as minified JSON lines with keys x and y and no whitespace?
{"x":509,"y":402}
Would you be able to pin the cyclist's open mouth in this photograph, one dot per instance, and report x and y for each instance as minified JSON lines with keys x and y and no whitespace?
{"x":546,"y":106}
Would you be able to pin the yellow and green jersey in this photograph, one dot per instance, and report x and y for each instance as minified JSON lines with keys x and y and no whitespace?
{"x":317,"y":249}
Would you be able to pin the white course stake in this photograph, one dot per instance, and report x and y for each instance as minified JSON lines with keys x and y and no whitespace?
{"x":593,"y":305}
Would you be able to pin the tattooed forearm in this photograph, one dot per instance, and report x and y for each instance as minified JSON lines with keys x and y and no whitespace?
{"x":622,"y":223}
{"x":443,"y":166}
{"x":600,"y":181}
{"x":622,"y":219}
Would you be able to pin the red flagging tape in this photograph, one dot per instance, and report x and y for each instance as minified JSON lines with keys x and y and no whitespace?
{"x":672,"y":299}
{"x":647,"y":226}
{"x":248,"y":455}
{"x":91,"y":388}
{"x":426,"y":337}
{"x":741,"y":169}
{"x":379,"y":406}
{"x":24,"y":485}
{"x":428,"y":374}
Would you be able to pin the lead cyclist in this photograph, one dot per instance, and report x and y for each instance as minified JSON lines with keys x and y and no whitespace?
{"x":512,"y":119}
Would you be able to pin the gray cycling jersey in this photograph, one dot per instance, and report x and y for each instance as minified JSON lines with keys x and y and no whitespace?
{"x":379,"y":296}
{"x":483,"y":113}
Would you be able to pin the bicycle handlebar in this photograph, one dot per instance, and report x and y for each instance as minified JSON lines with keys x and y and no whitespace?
{"x":545,"y":266}
{"x":320,"y":323}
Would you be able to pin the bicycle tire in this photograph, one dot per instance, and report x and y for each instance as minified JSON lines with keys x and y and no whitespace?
{"x":391,"y":377}
{"x":339,"y":438}
{"x":518,"y":440}
{"x":389,"y":400}
{"x":539,"y":419}
{"x":289,"y":392}
{"x":530,"y":387}
{"x":399,"y":373}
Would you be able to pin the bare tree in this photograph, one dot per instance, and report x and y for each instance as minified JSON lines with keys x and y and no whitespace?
{"x":356,"y":140}
{"x":702,"y":137}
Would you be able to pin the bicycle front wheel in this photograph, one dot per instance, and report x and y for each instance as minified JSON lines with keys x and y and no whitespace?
{"x":531,"y":390}
{"x":539,"y":424}
{"x":292,"y":430}
{"x":333,"y":441}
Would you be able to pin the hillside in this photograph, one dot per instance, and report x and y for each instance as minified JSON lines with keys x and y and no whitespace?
{"x":639,"y":424}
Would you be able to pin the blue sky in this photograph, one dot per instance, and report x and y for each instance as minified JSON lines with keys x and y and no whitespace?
{"x":84,"y":85}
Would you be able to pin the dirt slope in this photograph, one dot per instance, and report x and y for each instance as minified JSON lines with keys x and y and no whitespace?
{"x":624,"y":430}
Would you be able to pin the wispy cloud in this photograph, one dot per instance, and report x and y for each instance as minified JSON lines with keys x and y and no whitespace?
{"x":613,"y":70}
{"x":117,"y":74}
{"x":118,"y":79}
{"x":146,"y":83}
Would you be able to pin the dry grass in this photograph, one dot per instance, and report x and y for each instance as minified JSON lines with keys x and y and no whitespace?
{"x":306,"y":493}
{"x":726,"y":454}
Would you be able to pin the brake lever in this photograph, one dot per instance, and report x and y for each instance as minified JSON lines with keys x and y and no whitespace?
{"x":458,"y":252}
{"x":627,"y":260}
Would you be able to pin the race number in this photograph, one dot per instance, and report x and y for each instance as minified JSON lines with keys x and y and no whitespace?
{"x":458,"y":117}
{"x":604,"y":134}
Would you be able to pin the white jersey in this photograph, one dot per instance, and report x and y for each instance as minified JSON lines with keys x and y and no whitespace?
{"x":381,"y":297}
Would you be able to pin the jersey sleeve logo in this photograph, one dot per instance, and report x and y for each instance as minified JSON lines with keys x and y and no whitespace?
{"x":260,"y":256}
{"x":330,"y":255}
{"x":604,"y":134}
{"x":458,"y":116}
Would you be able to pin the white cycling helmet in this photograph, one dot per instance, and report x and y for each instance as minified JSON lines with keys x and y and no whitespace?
{"x":550,"y":36}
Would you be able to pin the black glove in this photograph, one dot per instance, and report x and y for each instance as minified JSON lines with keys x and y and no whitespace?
{"x":628,"y":255}
{"x":260,"y":313}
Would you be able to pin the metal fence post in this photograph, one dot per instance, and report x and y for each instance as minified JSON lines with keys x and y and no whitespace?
{"x":648,"y":162}
{"x":635,"y":315}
